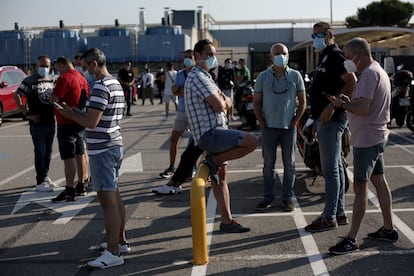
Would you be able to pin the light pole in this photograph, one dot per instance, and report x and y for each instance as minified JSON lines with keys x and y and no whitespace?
{"x":331,"y":11}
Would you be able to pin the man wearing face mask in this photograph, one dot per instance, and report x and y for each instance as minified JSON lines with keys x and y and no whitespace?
{"x":276,"y":91}
{"x":330,"y":78}
{"x":225,"y":81}
{"x":369,"y":113}
{"x":205,"y":106}
{"x":37,"y":90}
{"x":181,"y":121}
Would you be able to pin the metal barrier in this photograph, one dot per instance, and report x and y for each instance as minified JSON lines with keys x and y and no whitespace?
{"x":198,"y":215}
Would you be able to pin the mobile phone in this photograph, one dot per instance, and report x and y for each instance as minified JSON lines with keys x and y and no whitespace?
{"x":58,"y":106}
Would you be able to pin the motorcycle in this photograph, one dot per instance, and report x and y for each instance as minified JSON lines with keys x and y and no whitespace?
{"x":243,"y":102}
{"x":308,"y":147}
{"x":401,"y":105}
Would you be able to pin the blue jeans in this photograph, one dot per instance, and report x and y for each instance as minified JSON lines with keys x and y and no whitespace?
{"x":42,"y":137}
{"x":271,"y":137}
{"x":330,"y":148}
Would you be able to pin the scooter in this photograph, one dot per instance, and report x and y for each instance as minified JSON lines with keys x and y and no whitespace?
{"x":308,"y":147}
{"x":243,"y":102}
{"x":400,"y":100}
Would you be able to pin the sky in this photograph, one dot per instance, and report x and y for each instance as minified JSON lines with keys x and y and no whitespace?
{"x":46,"y":13}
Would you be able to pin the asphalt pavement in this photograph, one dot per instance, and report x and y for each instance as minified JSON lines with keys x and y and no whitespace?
{"x":41,"y":238}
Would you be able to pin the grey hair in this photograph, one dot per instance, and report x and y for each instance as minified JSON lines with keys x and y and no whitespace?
{"x":358,"y":45}
{"x":94,"y":54}
{"x":278,"y":45}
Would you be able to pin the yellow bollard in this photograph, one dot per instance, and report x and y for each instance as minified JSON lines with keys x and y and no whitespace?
{"x":198,"y":215}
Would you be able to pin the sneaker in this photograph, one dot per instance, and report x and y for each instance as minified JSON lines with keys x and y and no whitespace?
{"x":264,"y":205}
{"x":64,"y":196}
{"x":168,"y":173}
{"x":233,"y":227}
{"x":50,"y":182}
{"x":384,"y":235}
{"x":342,"y":219}
{"x":80,"y":189}
{"x":123,"y":247}
{"x":168,"y":190}
{"x":346,"y":245}
{"x":321,"y":224}
{"x":288,"y":204}
{"x":44,"y":187}
{"x":106,"y":260}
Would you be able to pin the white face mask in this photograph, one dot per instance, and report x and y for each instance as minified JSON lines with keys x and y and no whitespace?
{"x":350,"y":65}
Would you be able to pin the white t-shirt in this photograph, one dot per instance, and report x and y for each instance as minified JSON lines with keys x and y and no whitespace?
{"x":169,"y":81}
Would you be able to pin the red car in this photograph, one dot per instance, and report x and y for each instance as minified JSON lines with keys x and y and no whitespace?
{"x":10,"y":79}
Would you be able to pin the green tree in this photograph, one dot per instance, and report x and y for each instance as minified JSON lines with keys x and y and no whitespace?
{"x":382,"y":13}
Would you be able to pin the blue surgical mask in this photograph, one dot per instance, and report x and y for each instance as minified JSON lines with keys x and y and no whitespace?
{"x":229,"y":65}
{"x":280,"y":60}
{"x":211,"y":62}
{"x":188,"y":62}
{"x":43,"y":71}
{"x":319,"y":43}
{"x":90,"y":77}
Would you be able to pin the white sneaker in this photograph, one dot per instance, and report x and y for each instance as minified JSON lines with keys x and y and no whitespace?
{"x":168,"y":190}
{"x":50,"y":182}
{"x":44,"y":187}
{"x":123,"y":248}
{"x":106,"y":260}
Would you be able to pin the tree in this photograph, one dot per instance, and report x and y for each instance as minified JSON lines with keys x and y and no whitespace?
{"x":382,"y":13}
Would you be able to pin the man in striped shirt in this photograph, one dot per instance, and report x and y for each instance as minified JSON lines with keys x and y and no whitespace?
{"x":105,"y":108}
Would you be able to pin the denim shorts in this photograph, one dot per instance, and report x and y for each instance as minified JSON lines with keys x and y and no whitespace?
{"x":104,"y":168}
{"x":220,"y":140}
{"x":71,"y":140}
{"x":368,"y":161}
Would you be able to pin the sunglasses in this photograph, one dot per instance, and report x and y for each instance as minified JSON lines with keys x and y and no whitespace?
{"x":318,"y":35}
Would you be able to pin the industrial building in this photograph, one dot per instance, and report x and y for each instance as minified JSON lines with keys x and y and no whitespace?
{"x":155,"y":44}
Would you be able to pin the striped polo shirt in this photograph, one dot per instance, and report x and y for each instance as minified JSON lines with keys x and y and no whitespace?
{"x":107,"y":96}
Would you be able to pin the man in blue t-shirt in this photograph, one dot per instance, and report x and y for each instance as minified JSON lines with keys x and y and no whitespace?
{"x":180,"y":123}
{"x":276,"y":91}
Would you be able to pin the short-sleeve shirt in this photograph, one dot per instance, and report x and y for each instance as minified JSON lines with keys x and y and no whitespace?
{"x":107,"y":96}
{"x":245,"y":72}
{"x":327,"y":79}
{"x":225,"y":78}
{"x":279,"y":96}
{"x":371,"y":129}
{"x":202,"y":118}
{"x":68,"y":88}
{"x":37,"y":91}
{"x":169,"y":81}
{"x":180,"y":81}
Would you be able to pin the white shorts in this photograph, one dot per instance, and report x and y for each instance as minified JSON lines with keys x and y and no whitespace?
{"x":167,"y":98}
{"x":181,"y":122}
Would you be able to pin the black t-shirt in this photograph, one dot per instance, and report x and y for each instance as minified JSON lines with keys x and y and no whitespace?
{"x":37,"y":91}
{"x":224,"y":77}
{"x":327,"y":79}
{"x":126,"y":75}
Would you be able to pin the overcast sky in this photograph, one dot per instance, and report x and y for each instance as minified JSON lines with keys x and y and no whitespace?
{"x":42,"y":13}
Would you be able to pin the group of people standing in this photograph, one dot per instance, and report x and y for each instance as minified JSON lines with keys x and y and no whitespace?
{"x":336,"y":99}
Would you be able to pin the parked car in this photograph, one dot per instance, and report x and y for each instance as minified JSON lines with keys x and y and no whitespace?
{"x":10,"y":79}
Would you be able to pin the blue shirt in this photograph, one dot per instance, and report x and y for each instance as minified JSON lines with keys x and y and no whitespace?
{"x":180,"y":81}
{"x":279,"y":96}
